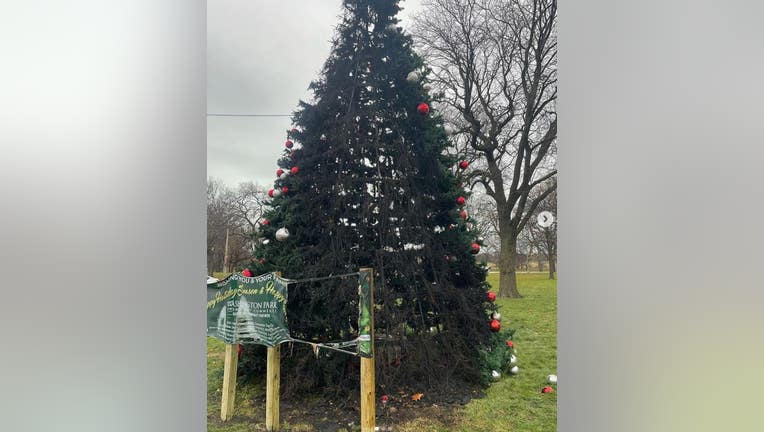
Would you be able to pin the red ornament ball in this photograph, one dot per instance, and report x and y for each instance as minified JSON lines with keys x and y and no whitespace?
{"x":289,"y":144}
{"x":246,"y":273}
{"x":547,"y":389}
{"x":294,"y":170}
{"x":491,"y":296}
{"x":495,"y":326}
{"x":423,"y":108}
{"x":265,"y":222}
{"x":284,"y":190}
{"x":510,"y":343}
{"x":475,"y":249}
{"x":384,"y":399}
{"x":463,"y":214}
{"x":270,"y":193}
{"x":279,"y":172}
{"x":293,"y":131}
{"x":461,"y":200}
{"x":464,"y":164}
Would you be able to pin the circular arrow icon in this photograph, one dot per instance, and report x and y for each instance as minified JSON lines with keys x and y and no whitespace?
{"x":545,"y":219}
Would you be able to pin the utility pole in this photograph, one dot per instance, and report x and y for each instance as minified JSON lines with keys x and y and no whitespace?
{"x":225,"y":254}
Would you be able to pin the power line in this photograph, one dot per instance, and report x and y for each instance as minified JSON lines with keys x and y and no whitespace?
{"x":247,"y":115}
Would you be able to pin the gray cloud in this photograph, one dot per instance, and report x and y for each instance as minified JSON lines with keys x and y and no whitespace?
{"x":261,"y":57}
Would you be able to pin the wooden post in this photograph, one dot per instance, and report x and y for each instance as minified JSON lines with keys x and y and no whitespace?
{"x":272,"y":382}
{"x":230,"y":366}
{"x":367,"y":369}
{"x":272,"y":389}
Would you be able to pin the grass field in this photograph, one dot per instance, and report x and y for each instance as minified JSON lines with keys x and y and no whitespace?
{"x":513,"y":404}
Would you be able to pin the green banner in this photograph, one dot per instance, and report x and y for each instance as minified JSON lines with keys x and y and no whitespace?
{"x":364,"y":316}
{"x":244,"y":309}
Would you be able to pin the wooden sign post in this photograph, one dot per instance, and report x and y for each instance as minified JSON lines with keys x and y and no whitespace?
{"x":367,"y":369}
{"x":272,"y":382}
{"x":272,"y":389}
{"x":230,"y":366}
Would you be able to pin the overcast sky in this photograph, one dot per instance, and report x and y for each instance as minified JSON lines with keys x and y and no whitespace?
{"x":261,"y":57}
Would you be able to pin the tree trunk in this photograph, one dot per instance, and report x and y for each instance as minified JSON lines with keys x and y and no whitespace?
{"x":507,"y":262}
{"x":552,"y":267}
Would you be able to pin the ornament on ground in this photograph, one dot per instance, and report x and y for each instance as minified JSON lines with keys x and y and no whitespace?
{"x":552,"y":379}
{"x":547,"y":389}
{"x":515,"y":370}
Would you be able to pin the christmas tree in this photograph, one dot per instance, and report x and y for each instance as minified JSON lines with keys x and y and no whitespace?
{"x":366,"y":181}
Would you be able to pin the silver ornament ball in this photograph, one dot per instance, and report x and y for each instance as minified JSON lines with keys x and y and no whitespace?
{"x":282,"y":234}
{"x":552,"y":379}
{"x":495,"y":375}
{"x":515,"y":370}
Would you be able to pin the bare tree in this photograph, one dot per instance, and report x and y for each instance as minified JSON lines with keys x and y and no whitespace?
{"x":247,"y":204}
{"x":233,"y":217}
{"x":482,"y":211}
{"x":544,"y":239}
{"x":494,"y":64}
